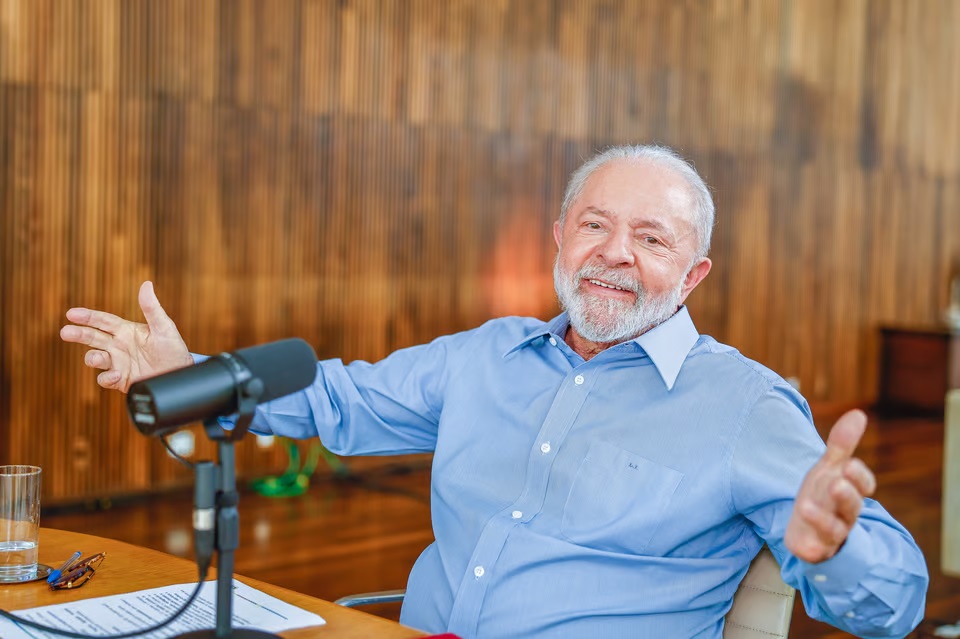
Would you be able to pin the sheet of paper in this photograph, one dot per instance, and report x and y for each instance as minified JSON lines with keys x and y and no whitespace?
{"x":127,"y":612}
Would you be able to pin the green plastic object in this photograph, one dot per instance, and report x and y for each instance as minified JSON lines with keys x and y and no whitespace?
{"x":295,"y":479}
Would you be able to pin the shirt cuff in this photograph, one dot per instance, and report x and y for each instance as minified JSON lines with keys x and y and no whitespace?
{"x":841,"y":575}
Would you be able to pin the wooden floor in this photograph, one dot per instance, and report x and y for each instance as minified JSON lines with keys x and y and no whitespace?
{"x":363,"y":531}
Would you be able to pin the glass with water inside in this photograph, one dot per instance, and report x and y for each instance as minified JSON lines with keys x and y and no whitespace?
{"x":19,"y":522}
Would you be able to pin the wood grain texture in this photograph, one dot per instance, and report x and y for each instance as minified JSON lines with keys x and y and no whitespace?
{"x":369,"y":175}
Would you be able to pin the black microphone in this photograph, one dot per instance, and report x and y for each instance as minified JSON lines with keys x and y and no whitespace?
{"x":162,"y":404}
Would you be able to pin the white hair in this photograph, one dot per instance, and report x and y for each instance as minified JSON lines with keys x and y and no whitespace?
{"x":661,"y":156}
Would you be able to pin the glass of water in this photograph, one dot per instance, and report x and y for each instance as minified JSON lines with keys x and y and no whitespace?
{"x":19,"y":522}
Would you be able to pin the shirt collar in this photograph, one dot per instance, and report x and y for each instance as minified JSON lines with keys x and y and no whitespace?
{"x":667,"y":344}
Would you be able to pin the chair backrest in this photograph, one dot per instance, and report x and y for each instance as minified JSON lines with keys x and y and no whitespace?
{"x":763,"y":603}
{"x":950,"y":522}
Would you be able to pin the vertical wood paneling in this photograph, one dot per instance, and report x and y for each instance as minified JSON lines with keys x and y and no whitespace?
{"x":370,"y":175}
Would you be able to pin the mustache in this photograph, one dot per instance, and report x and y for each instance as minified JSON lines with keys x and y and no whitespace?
{"x":617,"y":278}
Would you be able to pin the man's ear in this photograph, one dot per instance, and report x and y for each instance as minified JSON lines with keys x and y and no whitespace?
{"x":694,"y":276}
{"x":556,"y":232}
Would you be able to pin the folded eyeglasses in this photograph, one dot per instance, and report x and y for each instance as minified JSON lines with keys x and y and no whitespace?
{"x":78,"y":573}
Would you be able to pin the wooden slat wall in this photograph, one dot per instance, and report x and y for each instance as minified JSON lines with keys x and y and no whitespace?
{"x":369,"y":175}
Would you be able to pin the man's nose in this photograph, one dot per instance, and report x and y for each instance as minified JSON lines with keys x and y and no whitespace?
{"x":617,"y":249}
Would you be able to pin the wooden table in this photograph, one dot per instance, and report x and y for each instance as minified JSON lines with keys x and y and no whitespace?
{"x":128,"y":568}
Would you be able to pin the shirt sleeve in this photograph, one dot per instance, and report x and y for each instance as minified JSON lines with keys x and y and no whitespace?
{"x":390,"y":407}
{"x":875,"y":586}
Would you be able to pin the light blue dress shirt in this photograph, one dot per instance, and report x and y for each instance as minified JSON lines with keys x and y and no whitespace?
{"x":623,"y":496}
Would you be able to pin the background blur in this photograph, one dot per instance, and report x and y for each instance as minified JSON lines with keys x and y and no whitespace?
{"x":370,"y":175}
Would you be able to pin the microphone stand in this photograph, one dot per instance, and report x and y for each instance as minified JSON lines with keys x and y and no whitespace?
{"x":222,"y":493}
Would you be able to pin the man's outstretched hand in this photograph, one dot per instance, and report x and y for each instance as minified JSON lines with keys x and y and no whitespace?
{"x":128,"y":351}
{"x":831,"y":495}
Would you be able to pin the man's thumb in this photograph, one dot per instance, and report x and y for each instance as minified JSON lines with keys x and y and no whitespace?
{"x":845,"y":435}
{"x":157,"y":318}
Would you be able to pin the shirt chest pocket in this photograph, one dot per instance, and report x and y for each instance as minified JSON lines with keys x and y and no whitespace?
{"x":617,"y":500}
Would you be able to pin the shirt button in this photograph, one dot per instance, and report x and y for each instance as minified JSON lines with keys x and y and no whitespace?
{"x":478,"y":571}
{"x":578,"y":380}
{"x":516,"y":514}
{"x":553,"y":341}
{"x":819,"y":578}
{"x":545,"y":447}
{"x":850,"y":614}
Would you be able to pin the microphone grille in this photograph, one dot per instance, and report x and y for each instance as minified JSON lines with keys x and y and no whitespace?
{"x":284,"y":367}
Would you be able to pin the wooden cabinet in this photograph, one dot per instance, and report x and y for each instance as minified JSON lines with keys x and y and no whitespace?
{"x":917,"y":367}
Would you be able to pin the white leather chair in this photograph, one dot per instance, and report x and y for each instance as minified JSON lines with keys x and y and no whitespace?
{"x":763,"y":604}
{"x":761,"y":609}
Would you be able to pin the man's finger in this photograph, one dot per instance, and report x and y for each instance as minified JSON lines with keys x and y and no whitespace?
{"x":109,"y":379}
{"x":858,"y":474}
{"x":847,"y":501}
{"x":845,"y":435}
{"x":85,"y":335}
{"x":98,"y":359}
{"x":830,"y":530}
{"x":106,"y":322}
{"x":157,"y":318}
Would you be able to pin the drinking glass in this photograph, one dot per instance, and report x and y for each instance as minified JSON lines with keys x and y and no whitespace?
{"x":19,"y":522}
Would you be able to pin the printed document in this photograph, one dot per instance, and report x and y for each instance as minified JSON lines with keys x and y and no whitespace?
{"x":117,"y":614}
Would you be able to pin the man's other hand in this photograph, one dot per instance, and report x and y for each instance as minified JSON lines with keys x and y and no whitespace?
{"x":128,"y":351}
{"x":831,"y":495}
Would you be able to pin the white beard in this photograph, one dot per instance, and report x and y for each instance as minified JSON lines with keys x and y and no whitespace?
{"x":606,"y":320}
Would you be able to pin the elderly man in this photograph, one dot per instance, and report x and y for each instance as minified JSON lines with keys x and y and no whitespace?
{"x":611,"y":472}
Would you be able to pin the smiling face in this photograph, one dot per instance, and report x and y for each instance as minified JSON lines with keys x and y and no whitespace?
{"x":627,"y":252}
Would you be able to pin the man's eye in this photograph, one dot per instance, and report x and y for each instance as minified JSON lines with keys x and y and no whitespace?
{"x":649,"y":239}
{"x":593,"y":226}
